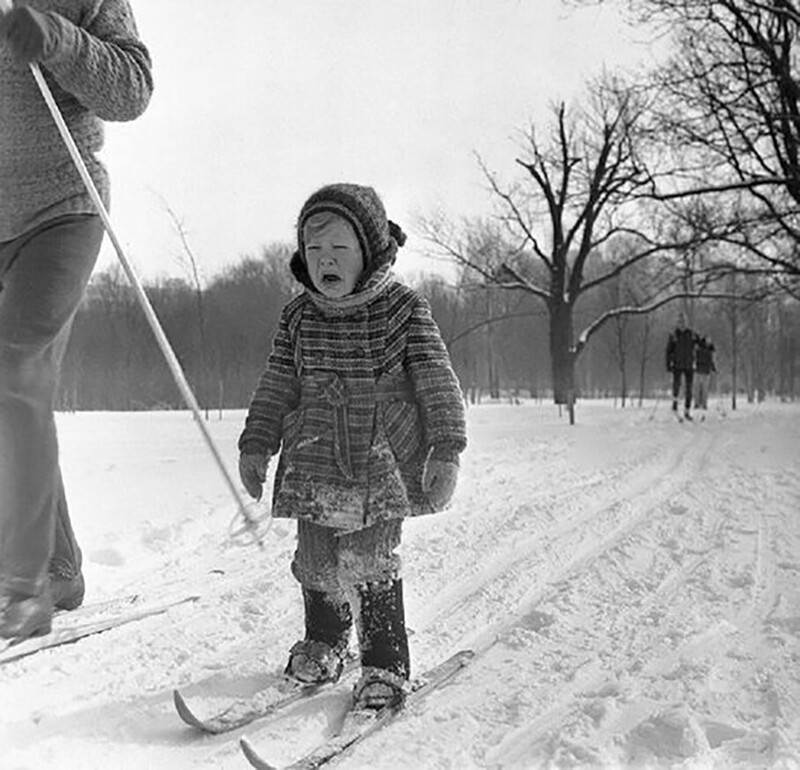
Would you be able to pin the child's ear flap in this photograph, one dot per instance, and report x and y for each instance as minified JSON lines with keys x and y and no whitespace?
{"x":397,"y":233}
{"x":300,"y":270}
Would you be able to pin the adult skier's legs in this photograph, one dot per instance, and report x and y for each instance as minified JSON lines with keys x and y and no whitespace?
{"x":687,"y":396}
{"x":676,"y":388}
{"x":43,"y":275}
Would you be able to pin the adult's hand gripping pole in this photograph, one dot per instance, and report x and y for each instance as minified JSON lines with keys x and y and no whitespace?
{"x":254,"y":527}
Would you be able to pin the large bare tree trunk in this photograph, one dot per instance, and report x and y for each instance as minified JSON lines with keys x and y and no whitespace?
{"x":562,"y":356}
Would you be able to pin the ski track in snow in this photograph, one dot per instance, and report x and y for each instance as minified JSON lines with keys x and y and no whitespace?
{"x":631,"y":586}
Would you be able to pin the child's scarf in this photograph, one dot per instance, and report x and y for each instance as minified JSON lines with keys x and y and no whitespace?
{"x":374,"y":286}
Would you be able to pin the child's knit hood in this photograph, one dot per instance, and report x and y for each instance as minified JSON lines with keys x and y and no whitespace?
{"x":363,"y":209}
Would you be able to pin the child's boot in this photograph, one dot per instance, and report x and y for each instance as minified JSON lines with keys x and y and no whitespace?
{"x":319,"y":658}
{"x":385,"y":660}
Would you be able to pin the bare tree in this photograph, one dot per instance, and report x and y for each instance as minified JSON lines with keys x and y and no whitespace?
{"x":584,"y":187}
{"x":188,"y":258}
{"x":726,"y":115}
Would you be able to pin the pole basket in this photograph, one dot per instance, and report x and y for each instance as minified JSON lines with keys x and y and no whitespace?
{"x":250,"y":524}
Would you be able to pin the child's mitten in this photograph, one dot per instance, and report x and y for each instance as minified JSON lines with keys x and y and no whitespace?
{"x":253,"y":472}
{"x":31,"y":35}
{"x":439,"y":480}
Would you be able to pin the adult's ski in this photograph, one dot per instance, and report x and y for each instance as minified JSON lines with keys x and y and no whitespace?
{"x":69,"y":627}
{"x":281,"y":694}
{"x":118,"y":603}
{"x":358,"y":725}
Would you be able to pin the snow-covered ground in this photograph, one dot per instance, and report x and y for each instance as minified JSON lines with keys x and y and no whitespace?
{"x":631,"y":586}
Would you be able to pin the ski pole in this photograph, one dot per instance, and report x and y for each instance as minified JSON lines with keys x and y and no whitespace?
{"x":251,"y":523}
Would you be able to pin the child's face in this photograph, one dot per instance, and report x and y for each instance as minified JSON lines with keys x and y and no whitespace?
{"x":334,"y":258}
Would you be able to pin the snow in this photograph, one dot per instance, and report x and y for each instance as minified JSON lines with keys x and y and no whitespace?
{"x":631,"y":586}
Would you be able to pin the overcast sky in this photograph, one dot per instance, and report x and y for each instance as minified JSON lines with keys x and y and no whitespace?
{"x":259,"y":102}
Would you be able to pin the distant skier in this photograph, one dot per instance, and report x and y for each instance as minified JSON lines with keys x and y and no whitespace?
{"x":360,"y":397}
{"x":704,"y":367}
{"x":50,"y":236}
{"x":680,"y":362}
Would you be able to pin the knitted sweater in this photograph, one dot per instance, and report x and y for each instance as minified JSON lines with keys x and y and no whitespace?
{"x":98,"y":70}
{"x":355,"y":402}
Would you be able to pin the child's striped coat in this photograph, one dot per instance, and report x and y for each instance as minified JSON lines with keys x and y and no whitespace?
{"x":355,"y":400}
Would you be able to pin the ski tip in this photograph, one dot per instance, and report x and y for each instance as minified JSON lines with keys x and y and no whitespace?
{"x":463,"y":657}
{"x":184,"y":712}
{"x":252,"y":756}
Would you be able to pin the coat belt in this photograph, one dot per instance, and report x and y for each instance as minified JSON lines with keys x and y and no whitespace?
{"x":338,"y":396}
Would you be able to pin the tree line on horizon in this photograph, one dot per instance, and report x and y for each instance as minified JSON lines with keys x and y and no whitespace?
{"x":498,"y":341}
